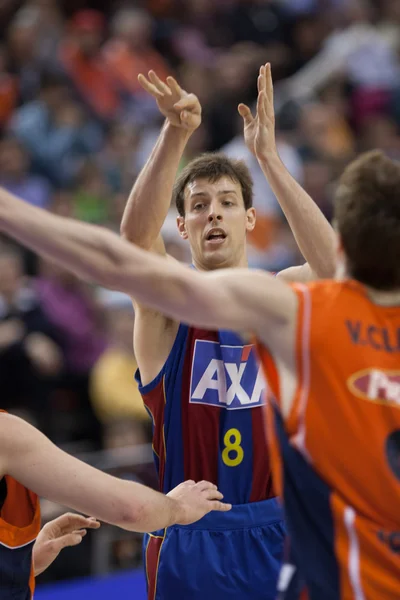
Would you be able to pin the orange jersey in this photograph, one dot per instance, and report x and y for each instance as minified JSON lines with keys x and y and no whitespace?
{"x":19,"y":527}
{"x":336,"y":457}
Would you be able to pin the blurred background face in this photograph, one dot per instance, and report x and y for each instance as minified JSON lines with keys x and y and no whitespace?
{"x":134,"y":27}
{"x":216,"y":223}
{"x":11,"y":273}
{"x":14,"y":161}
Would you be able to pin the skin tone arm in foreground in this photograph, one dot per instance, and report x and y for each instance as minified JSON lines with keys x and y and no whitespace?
{"x":214,"y":300}
{"x":30,"y":457}
{"x":149,"y":201}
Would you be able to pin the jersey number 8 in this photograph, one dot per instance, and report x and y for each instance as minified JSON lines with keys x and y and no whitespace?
{"x":232,"y":454}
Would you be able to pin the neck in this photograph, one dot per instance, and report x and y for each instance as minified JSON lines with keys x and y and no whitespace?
{"x":228,"y":264}
{"x":382,"y":297}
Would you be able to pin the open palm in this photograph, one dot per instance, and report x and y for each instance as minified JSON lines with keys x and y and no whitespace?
{"x":180,"y":108}
{"x":259,"y":131}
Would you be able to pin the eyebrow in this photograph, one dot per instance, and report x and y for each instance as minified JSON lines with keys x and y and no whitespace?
{"x":221,"y":193}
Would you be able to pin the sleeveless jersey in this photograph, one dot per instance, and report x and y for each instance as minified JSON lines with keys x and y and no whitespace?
{"x":207,"y":410}
{"x":19,"y":527}
{"x":336,"y":457}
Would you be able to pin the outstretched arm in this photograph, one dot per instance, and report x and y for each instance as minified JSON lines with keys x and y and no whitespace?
{"x":313,"y":233}
{"x":30,"y":457}
{"x":214,"y":300}
{"x":150,"y":199}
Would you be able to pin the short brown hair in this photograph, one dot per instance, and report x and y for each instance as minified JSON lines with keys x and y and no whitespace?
{"x":213,"y":166}
{"x":367,"y":214}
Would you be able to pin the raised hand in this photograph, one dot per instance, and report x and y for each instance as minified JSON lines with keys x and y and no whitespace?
{"x":67,"y":530}
{"x":180,"y":108}
{"x":196,"y":500}
{"x":259,"y":131}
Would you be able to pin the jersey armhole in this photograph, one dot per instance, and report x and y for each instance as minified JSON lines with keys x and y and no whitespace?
{"x":179,"y":338}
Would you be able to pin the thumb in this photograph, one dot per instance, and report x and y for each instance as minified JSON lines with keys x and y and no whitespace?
{"x":245,"y":113}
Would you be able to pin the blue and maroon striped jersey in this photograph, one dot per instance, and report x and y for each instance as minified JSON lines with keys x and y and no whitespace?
{"x":207,"y":410}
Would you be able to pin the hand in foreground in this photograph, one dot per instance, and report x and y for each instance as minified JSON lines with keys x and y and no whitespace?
{"x":196,"y":500}
{"x":259,"y":131}
{"x":67,"y":530}
{"x":180,"y":108}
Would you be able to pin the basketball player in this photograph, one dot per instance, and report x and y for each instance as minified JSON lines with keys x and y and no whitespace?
{"x":229,"y":444}
{"x":330,"y":351}
{"x":28,"y":458}
{"x":196,"y":420}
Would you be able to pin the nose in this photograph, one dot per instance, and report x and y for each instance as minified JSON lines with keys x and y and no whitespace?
{"x":214,"y":215}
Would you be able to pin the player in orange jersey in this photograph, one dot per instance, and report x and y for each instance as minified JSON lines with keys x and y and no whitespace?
{"x":331,"y":352}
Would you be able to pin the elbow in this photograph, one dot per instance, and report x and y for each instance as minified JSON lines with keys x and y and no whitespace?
{"x":134,"y":517}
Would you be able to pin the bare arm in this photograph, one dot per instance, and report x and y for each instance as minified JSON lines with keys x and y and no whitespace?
{"x":30,"y":457}
{"x":313,"y":233}
{"x":214,"y":300}
{"x":150,"y":199}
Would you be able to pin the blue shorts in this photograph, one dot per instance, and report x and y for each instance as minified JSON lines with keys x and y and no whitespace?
{"x":225,"y":556}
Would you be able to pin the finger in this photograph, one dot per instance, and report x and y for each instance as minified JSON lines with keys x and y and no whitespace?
{"x":70,"y":539}
{"x":260,"y":82}
{"x":174,"y":85}
{"x":92,"y":524}
{"x":261,"y":111}
{"x":269,"y":91}
{"x":188,"y":102}
{"x":160,"y":85}
{"x":149,"y":87}
{"x":185,"y":118}
{"x":245,"y":113}
{"x":207,"y":485}
{"x":221,"y":506}
{"x":213,"y":494}
{"x":71,"y":521}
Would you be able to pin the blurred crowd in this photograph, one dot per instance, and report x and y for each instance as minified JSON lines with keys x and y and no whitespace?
{"x":76,"y":128}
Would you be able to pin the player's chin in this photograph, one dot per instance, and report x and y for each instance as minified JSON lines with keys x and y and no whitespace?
{"x":216,"y":258}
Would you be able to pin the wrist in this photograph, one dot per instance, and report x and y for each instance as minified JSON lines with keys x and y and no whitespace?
{"x":176,"y":511}
{"x":176,"y":132}
{"x":269,"y":159}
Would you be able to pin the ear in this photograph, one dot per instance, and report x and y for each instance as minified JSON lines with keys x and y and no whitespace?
{"x":180,"y":221}
{"x":250,"y":219}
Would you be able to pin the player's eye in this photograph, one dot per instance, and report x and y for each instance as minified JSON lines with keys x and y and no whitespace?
{"x":227,"y":203}
{"x":198,"y":206}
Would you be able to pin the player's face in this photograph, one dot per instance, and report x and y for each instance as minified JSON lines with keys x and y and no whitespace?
{"x":216,"y":223}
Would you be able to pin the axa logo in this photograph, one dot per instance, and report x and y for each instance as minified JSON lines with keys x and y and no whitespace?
{"x":226,"y":376}
{"x":376,"y":385}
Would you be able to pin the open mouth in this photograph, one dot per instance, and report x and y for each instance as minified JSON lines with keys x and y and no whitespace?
{"x":216,"y":236}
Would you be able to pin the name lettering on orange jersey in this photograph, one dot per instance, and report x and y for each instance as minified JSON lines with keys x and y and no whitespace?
{"x":391,"y":539}
{"x":378,"y":338}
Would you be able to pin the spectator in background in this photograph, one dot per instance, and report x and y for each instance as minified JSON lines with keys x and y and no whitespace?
{"x":55,"y":131}
{"x":69,"y":306}
{"x":83,"y":61}
{"x":92,"y":195}
{"x":23,"y":52}
{"x":15,"y":176}
{"x":114,"y":392}
{"x":30,"y":351}
{"x":8,"y":89}
{"x":117,"y":157}
{"x":130,"y":51}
